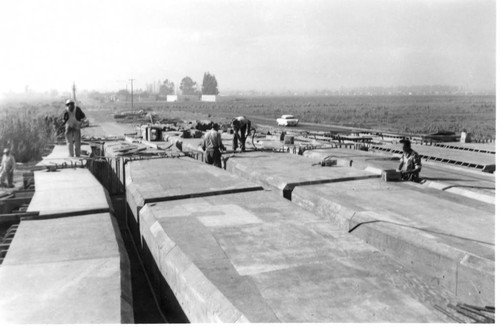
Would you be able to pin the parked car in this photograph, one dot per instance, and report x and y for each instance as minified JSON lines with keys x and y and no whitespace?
{"x":287,"y":120}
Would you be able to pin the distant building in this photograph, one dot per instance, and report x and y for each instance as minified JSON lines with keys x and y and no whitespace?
{"x":172,"y":98}
{"x":208,"y":98}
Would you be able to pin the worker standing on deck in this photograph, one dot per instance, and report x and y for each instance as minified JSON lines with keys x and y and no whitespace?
{"x":7,"y":168}
{"x":241,"y":126}
{"x":72,"y":119}
{"x":212,"y":145}
{"x":409,"y":165}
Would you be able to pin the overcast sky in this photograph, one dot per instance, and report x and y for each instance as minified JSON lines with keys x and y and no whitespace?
{"x":262,"y":45}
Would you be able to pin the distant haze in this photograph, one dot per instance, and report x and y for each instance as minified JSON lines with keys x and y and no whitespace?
{"x":265,"y":45}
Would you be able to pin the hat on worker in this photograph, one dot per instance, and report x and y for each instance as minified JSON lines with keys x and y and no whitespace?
{"x":6,"y":150}
{"x":69,"y":101}
{"x":405,"y":142}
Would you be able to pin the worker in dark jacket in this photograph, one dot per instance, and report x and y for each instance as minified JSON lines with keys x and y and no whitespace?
{"x":241,"y":126}
{"x":212,"y":145}
{"x":72,"y":119}
{"x":410,"y":164}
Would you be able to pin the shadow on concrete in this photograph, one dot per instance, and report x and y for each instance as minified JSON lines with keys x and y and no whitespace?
{"x":146,"y":305}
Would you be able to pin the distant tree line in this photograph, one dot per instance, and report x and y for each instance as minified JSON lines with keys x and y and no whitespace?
{"x":187,"y":86}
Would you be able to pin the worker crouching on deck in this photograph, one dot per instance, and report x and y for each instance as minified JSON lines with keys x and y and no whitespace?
{"x":73,"y":121}
{"x":241,"y":126}
{"x":212,"y":145}
{"x":409,"y":164}
{"x":7,"y":169}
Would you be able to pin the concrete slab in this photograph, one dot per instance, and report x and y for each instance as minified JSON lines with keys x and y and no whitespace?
{"x":466,"y":182}
{"x":256,"y":257}
{"x":357,"y":156}
{"x":39,"y":241}
{"x":67,"y":190}
{"x":69,"y":292}
{"x":177,"y":178}
{"x":415,"y":225}
{"x":285,"y":171}
{"x":60,"y":156}
{"x":56,"y":271}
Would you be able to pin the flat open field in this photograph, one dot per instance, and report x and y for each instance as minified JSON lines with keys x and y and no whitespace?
{"x":402,"y":114}
{"x":405,"y":114}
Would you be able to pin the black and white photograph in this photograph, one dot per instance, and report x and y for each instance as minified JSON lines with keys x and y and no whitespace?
{"x":247,"y":161}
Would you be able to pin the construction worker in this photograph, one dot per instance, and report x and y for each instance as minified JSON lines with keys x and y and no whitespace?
{"x":7,"y":169}
{"x":409,"y":164}
{"x":212,"y":145}
{"x":73,"y":120}
{"x":241,"y":126}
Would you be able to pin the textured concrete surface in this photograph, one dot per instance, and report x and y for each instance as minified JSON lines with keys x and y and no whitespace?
{"x":60,"y":155}
{"x":256,"y":257}
{"x":430,"y":231}
{"x":466,"y":182}
{"x":66,"y":270}
{"x":169,"y":179}
{"x":286,"y":171}
{"x":67,"y":190}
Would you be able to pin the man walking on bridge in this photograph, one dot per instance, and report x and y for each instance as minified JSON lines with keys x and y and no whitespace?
{"x":73,"y":120}
{"x":409,"y":164}
{"x":212,"y":145}
{"x":241,"y":126}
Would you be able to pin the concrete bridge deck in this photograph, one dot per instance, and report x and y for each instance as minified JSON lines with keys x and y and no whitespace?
{"x":435,"y":233}
{"x":60,"y":157}
{"x":66,"y":270}
{"x":68,"y":190}
{"x":246,"y":254}
{"x":466,"y":182}
{"x":67,"y":263}
{"x":232,"y":249}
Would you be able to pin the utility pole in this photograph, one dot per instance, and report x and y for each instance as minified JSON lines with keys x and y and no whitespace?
{"x":132,"y":91}
{"x":74,"y":92}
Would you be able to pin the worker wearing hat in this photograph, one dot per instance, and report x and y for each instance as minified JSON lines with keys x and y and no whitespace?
{"x":212,"y":145}
{"x":73,"y":120}
{"x":7,"y":169}
{"x":409,"y":164}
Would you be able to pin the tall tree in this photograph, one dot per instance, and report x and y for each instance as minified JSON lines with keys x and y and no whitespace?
{"x":167,"y":88}
{"x":123,"y":93}
{"x":188,"y":86}
{"x":209,"y":85}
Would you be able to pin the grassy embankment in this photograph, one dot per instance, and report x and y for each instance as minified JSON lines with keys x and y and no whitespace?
{"x":27,"y":129}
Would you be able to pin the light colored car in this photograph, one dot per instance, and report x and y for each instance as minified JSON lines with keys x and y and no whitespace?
{"x":287,"y":120}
